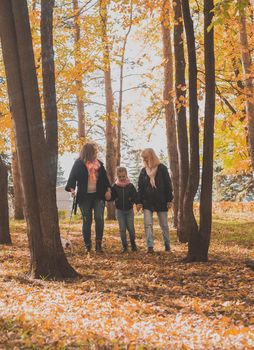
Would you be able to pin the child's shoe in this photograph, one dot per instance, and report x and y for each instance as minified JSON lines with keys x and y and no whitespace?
{"x":150,"y":250}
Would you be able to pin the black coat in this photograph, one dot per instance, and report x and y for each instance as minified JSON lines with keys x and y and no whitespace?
{"x":124,"y":197}
{"x":155,"y":199}
{"x":79,"y":177}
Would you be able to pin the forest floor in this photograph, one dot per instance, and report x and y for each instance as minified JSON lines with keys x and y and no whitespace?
{"x":132,"y":301}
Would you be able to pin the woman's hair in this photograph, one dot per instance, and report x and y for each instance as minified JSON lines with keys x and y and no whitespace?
{"x":152,"y":159}
{"x":121,"y":169}
{"x":88,"y":152}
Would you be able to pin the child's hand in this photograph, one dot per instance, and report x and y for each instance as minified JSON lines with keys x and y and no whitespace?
{"x":169,"y":205}
{"x":108,"y":196}
{"x":139,"y":207}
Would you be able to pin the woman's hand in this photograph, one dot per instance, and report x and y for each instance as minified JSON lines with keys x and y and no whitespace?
{"x":108,"y":195}
{"x":139,"y":207}
{"x":73,"y":193}
{"x":169,"y":205}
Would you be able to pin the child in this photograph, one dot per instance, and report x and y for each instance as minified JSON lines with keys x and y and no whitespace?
{"x":124,"y":194}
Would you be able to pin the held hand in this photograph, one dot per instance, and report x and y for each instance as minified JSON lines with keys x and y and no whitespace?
{"x":108,"y":196}
{"x":169,"y":205}
{"x":73,"y":193}
{"x":139,"y":207}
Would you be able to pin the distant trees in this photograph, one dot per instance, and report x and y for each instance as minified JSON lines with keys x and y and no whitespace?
{"x":5,"y":237}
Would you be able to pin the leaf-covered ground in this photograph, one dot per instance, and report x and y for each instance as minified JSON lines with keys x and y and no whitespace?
{"x":134,"y":300}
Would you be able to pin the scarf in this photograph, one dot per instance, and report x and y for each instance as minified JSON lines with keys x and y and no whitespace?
{"x":93,"y":168}
{"x":122,"y":183}
{"x":151,"y":172}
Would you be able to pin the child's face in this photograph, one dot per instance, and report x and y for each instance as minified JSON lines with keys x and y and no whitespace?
{"x":122,"y":176}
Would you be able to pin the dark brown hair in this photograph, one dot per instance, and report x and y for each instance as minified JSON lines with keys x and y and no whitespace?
{"x":88,"y":152}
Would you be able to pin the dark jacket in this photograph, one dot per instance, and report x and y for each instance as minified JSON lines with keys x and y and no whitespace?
{"x":151,"y":198}
{"x":124,"y":197}
{"x":79,"y":177}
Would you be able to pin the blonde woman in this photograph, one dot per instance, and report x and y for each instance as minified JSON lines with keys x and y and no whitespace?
{"x":89,"y":177}
{"x":154,"y":194}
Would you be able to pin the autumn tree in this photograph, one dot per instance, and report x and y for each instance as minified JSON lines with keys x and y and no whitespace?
{"x":180,"y":108}
{"x":49,"y":90}
{"x":189,"y":228}
{"x":111,"y":122}
{"x":168,"y":101}
{"x":208,"y":143}
{"x":248,"y":79}
{"x":5,"y":237}
{"x":79,"y":74}
{"x":47,"y":255}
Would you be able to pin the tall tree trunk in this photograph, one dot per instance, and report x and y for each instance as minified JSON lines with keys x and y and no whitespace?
{"x":120,"y":102}
{"x":47,"y":255}
{"x":111,"y":136}
{"x":18,"y":196}
{"x":49,"y":91}
{"x":169,"y":105}
{"x":248,"y":83}
{"x":208,"y":146}
{"x":182,"y":134}
{"x":79,"y":78}
{"x":190,"y":227}
{"x":5,"y":237}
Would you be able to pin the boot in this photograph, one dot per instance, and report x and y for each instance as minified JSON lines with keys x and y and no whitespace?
{"x":150,"y":250}
{"x":88,"y":248}
{"x":133,"y":246}
{"x":125,"y":250}
{"x":98,"y":247}
{"x":167,"y":247}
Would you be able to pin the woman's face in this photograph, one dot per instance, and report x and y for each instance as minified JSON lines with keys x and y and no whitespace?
{"x":145,"y":159}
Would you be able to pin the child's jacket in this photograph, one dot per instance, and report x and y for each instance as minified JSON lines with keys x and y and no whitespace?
{"x":124,"y":197}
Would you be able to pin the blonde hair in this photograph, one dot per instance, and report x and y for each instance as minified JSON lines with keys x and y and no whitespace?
{"x":121,"y":169}
{"x":88,"y":152}
{"x":153,"y":161}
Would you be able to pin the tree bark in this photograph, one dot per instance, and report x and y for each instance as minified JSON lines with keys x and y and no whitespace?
{"x":120,"y":102}
{"x":5,"y":237}
{"x":111,"y":135}
{"x":47,"y":256}
{"x":208,"y":145}
{"x":189,"y":229}
{"x":182,"y":133}
{"x":169,"y":105}
{"x":79,"y":79}
{"x":49,"y":91}
{"x":18,"y":196}
{"x":248,"y":84}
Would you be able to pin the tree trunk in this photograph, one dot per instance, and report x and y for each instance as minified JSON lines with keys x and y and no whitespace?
{"x":79,"y":78}
{"x":47,"y":256}
{"x":111,"y":138}
{"x":182,"y":134}
{"x":208,"y":146}
{"x":189,"y":228}
{"x":18,"y":196}
{"x":248,"y":83}
{"x":120,"y":103}
{"x":169,"y":105}
{"x":49,"y":91}
{"x":5,"y":237}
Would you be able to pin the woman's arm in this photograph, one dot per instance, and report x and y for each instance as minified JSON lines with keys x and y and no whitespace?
{"x":71,"y":183}
{"x":168,"y":184}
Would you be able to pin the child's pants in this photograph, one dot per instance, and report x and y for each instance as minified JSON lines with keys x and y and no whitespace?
{"x":126,"y":221}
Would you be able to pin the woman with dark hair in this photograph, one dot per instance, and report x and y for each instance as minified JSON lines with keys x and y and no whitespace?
{"x":88,"y":181}
{"x":154,"y":195}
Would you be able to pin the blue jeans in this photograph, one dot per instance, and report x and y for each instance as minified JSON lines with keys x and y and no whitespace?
{"x":148,"y":223}
{"x":126,"y":222}
{"x":89,"y":205}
